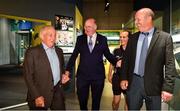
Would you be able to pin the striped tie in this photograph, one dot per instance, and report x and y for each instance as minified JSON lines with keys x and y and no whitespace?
{"x":90,"y":44}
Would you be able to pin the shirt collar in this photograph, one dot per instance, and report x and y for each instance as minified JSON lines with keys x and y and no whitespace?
{"x":46,"y":47}
{"x":150,"y":31}
{"x":94,"y":35}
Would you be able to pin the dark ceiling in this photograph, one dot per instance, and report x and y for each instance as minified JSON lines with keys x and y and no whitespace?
{"x":157,"y":5}
{"x":108,"y":0}
{"x":119,"y":11}
{"x":137,"y":4}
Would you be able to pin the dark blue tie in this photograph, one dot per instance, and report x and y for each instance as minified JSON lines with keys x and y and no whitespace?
{"x":90,"y":44}
{"x":143,"y":54}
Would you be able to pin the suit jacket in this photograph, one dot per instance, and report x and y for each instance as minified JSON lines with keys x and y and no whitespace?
{"x":38,"y":74}
{"x":91,"y":65}
{"x":160,"y":54}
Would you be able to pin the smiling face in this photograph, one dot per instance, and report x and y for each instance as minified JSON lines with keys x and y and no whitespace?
{"x":124,"y":38}
{"x":90,"y":27}
{"x":48,"y":36}
{"x":143,"y":19}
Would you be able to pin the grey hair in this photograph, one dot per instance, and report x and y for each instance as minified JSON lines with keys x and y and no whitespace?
{"x":43,"y":29}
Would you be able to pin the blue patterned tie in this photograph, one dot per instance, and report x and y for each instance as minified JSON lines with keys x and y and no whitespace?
{"x":143,"y":54}
{"x":90,"y":44}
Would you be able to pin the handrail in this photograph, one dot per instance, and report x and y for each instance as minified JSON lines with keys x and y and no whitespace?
{"x":13,"y":106}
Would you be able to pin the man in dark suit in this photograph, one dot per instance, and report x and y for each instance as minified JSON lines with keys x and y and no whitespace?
{"x":43,"y":69}
{"x":148,"y":66}
{"x":91,"y":72}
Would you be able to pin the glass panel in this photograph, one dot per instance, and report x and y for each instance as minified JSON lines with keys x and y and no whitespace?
{"x":175,"y":17}
{"x":22,"y":43}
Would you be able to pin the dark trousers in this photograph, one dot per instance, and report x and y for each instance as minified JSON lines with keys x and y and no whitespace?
{"x":83,"y":87}
{"x":136,"y":95}
{"x":57,"y":103}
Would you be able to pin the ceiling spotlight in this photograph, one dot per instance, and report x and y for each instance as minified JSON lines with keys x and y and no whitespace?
{"x":107,"y":4}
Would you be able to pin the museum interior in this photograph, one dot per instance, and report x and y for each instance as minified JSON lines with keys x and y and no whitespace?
{"x":20,"y":22}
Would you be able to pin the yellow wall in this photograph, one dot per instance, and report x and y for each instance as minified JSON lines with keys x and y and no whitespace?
{"x":27,"y":19}
{"x":35,"y":35}
{"x":78,"y":26}
{"x":78,"y":19}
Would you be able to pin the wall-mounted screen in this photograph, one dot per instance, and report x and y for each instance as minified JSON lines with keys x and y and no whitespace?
{"x":65,"y":30}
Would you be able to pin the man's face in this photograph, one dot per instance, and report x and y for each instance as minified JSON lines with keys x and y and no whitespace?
{"x":141,"y":21}
{"x":90,"y":27}
{"x":49,"y":37}
{"x":124,"y":38}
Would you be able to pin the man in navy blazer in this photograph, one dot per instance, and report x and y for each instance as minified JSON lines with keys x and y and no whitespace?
{"x":91,"y":72}
{"x":154,"y":82}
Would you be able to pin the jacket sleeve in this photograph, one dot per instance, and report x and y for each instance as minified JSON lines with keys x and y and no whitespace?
{"x":170,"y":71}
{"x":28,"y":71}
{"x":62,"y":60}
{"x":110,"y":57}
{"x":74,"y":55}
{"x":125,"y":62}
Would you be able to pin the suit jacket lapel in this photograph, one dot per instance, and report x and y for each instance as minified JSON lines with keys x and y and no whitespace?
{"x":86,"y":41}
{"x":134,"y":46}
{"x":45,"y":58}
{"x":153,"y":40}
{"x":44,"y":55}
{"x":96,"y":42}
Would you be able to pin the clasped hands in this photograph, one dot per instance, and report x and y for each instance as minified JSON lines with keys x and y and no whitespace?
{"x":39,"y":102}
{"x":65,"y":77}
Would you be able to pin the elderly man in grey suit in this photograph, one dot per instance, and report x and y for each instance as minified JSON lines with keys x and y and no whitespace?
{"x":148,"y":67}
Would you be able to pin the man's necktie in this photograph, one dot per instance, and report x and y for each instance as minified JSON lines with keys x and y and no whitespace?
{"x":143,"y":54}
{"x":90,"y":44}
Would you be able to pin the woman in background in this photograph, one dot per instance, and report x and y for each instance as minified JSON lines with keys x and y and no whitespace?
{"x":113,"y":76}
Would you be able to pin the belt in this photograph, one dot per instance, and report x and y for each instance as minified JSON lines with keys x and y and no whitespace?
{"x":137,"y":75}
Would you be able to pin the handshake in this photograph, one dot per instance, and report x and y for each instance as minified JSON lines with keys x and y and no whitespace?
{"x":65,"y":77}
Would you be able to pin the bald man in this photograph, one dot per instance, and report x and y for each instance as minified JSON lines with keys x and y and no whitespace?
{"x":149,"y":66}
{"x":91,"y":46}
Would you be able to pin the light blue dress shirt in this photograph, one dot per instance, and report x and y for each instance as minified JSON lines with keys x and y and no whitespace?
{"x":139,"y":46}
{"x":54,"y":63}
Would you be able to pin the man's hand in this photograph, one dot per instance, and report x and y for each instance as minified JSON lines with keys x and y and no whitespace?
{"x":39,"y":102}
{"x":65,"y":77}
{"x":124,"y":84}
{"x":118,"y":64}
{"x":166,"y":96}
